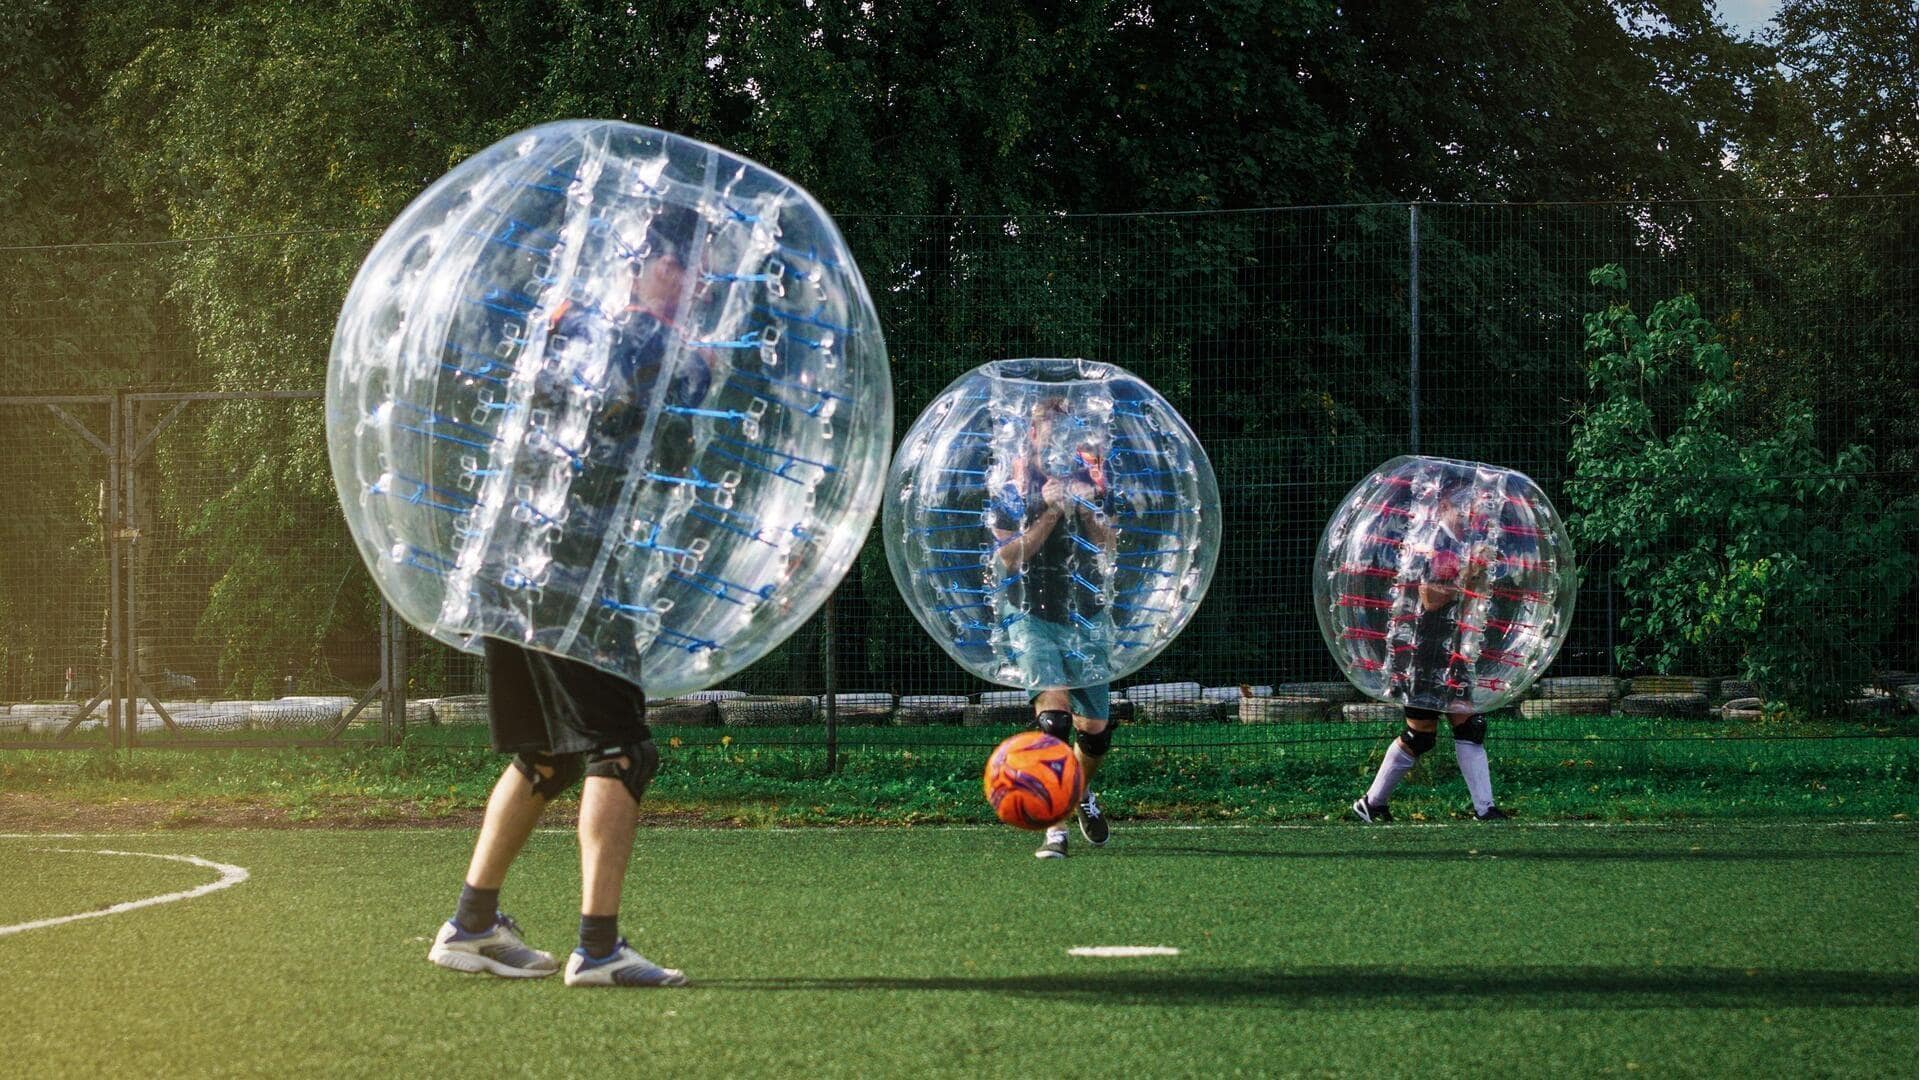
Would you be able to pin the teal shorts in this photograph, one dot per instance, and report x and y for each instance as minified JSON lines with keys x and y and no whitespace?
{"x":1057,"y":655}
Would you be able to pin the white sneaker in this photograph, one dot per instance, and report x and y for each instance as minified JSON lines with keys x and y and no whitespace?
{"x":497,"y":950}
{"x":1056,"y":845}
{"x":623,"y":967}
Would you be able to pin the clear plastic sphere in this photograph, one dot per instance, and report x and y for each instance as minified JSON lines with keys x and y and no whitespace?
{"x":613,"y":394}
{"x":1444,"y":585}
{"x":1052,"y":523}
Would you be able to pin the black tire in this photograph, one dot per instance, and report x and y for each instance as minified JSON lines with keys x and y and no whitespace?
{"x":1536,"y":708}
{"x":767,"y":711}
{"x":1283,"y":709}
{"x":679,"y":712}
{"x":1338,"y":693}
{"x":1665,"y":706}
{"x":1584,"y":687}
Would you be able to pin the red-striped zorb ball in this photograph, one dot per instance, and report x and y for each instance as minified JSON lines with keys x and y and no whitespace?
{"x":1444,"y":585}
{"x":613,"y":394}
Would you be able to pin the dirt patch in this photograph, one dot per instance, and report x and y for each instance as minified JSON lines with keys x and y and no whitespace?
{"x":25,"y":813}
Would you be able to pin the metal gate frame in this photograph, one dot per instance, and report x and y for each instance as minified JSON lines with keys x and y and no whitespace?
{"x":121,"y":692}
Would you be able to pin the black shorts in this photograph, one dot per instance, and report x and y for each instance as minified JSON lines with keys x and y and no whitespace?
{"x":537,"y":701}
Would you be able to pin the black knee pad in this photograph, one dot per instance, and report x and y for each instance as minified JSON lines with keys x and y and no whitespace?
{"x":1418,"y":742}
{"x":643,"y":760}
{"x":1473,"y":729}
{"x":1057,"y":723}
{"x":1095,"y":745}
{"x":563,"y":771}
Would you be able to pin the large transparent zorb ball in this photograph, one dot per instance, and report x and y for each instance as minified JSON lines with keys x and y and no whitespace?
{"x":1444,"y":585}
{"x":1052,"y":523}
{"x":613,"y":394}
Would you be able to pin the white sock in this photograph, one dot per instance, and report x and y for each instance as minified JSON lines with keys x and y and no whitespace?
{"x":1397,"y":763}
{"x":1473,"y":769}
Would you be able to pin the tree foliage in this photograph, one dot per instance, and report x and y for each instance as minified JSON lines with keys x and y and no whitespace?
{"x":954,"y":139}
{"x":1740,"y":541}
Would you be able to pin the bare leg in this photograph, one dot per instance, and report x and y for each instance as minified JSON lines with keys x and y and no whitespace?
{"x":608,"y":817}
{"x":512,"y":812}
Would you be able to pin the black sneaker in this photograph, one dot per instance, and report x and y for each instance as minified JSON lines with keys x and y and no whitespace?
{"x":1493,"y":813}
{"x":1370,"y":814}
{"x":1056,"y":845}
{"x":1093,"y":823}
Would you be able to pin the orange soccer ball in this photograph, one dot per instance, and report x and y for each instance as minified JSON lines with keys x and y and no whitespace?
{"x":1033,"y":781}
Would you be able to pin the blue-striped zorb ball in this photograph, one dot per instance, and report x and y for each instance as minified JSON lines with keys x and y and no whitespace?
{"x":613,"y":394}
{"x":1444,"y":585}
{"x":1052,"y":523}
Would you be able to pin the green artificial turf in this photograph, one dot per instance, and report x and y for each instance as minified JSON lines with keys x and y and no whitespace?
{"x":1695,"y":949}
{"x":1605,"y":768}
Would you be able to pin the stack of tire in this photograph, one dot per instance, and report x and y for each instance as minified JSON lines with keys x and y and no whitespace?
{"x":460,"y":709}
{"x":683,"y":712}
{"x":1904,"y":687}
{"x":858,"y":707}
{"x":926,"y":710}
{"x":47,"y":718}
{"x":1341,"y":701}
{"x":1572,"y":695}
{"x":1669,"y":697}
{"x":756,"y":711}
{"x":1175,"y":703}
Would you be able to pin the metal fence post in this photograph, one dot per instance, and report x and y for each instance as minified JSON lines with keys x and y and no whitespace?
{"x":1413,"y":326}
{"x":393,"y":676}
{"x":1611,"y":672}
{"x":117,"y":736}
{"x":833,"y":688}
{"x":399,"y":667}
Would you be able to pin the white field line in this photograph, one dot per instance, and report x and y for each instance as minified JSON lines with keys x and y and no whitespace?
{"x":1123,"y":950}
{"x":229,"y":877}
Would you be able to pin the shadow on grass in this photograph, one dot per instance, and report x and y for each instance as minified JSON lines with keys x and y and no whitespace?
{"x":1493,"y":852}
{"x":1417,"y":988}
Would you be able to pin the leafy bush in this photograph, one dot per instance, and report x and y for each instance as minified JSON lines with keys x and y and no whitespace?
{"x":1740,"y":542}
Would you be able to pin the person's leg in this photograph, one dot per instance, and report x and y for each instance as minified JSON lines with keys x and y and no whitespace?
{"x":609,"y":811}
{"x":479,"y":937}
{"x":608,"y":815}
{"x":1052,"y":712}
{"x":1469,"y":749}
{"x":1401,"y":756}
{"x":514,"y":808}
{"x":516,"y":726}
{"x":1092,"y":720}
{"x":585,"y":707}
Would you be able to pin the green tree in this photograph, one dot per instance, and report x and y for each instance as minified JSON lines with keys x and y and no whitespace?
{"x":1738,"y":543}
{"x":1830,"y":322}
{"x":314,"y":123}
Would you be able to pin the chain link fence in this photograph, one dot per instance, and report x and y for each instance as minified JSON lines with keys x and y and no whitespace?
{"x":175,"y":570}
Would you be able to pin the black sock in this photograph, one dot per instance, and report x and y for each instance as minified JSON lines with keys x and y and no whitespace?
{"x":598,"y":934}
{"x":477,"y":908}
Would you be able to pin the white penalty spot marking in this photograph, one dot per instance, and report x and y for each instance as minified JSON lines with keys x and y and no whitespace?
{"x":229,"y":876}
{"x":1123,"y":950}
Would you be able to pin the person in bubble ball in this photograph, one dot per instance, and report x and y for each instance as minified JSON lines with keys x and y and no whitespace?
{"x":1050,"y":511}
{"x":1434,"y":670}
{"x":563,"y":720}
